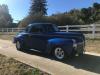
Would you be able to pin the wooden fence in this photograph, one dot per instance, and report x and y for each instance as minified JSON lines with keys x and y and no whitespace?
{"x":90,"y":31}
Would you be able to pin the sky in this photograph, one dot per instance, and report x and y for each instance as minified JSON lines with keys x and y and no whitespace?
{"x":20,"y":8}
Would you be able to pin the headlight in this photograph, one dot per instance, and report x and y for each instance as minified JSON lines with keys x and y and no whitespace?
{"x":74,"y":43}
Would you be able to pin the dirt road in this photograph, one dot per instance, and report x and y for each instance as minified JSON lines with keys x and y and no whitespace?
{"x":89,"y":64}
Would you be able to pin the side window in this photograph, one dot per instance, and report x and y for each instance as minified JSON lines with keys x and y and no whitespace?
{"x":49,"y":28}
{"x":36,"y":29}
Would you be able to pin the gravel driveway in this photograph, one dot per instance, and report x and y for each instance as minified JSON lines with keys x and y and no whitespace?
{"x":89,"y":64}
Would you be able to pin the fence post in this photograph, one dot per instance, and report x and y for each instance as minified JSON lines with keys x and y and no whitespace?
{"x":1,"y":29}
{"x":67,"y":28}
{"x":11,"y":29}
{"x":93,"y":30}
{"x":18,"y":29}
{"x":7,"y":30}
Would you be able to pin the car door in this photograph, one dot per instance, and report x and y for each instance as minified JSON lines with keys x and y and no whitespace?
{"x":37,"y":38}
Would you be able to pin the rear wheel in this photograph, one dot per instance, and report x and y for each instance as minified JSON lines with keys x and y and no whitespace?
{"x":59,"y":53}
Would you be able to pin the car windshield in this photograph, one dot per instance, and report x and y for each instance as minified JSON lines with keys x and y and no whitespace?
{"x":51,"y":28}
{"x":27,"y":29}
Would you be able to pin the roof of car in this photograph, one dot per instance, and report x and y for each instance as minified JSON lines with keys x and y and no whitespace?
{"x":32,"y":24}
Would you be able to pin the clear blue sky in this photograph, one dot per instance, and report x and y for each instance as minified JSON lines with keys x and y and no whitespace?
{"x":20,"y":8}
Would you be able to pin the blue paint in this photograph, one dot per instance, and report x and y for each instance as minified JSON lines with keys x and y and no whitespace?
{"x":46,"y":39}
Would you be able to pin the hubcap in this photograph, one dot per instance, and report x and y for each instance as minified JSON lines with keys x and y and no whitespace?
{"x":18,"y":45}
{"x":59,"y":53}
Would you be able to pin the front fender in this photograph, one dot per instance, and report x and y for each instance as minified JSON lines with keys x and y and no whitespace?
{"x":66,"y":44}
{"x":19,"y":38}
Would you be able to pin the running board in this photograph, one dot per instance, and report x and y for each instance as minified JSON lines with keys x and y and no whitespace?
{"x":35,"y":50}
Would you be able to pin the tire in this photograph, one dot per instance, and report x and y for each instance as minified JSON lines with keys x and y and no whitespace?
{"x":59,"y":53}
{"x":19,"y":46}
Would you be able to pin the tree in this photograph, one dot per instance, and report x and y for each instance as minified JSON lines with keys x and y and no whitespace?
{"x":74,"y":17}
{"x":38,"y":12}
{"x":38,"y":7}
{"x":5,"y":17}
{"x":96,"y":6}
{"x":86,"y":15}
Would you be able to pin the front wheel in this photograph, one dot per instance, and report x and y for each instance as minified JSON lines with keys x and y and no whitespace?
{"x":19,"y":46}
{"x":59,"y":53}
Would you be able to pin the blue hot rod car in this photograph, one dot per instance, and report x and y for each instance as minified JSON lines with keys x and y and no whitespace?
{"x":46,"y":38}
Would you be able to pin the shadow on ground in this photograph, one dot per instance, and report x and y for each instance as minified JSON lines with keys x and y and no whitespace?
{"x":87,"y":62}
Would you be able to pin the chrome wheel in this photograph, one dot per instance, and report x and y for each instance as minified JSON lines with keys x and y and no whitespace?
{"x":59,"y":53}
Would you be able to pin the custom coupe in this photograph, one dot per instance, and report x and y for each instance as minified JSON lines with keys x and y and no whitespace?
{"x":47,"y":38}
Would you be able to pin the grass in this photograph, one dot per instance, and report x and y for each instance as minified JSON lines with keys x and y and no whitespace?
{"x":9,"y":66}
{"x":93,"y":45}
{"x":6,"y":37}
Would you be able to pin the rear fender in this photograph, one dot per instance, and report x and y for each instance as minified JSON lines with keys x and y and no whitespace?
{"x":66,"y":44}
